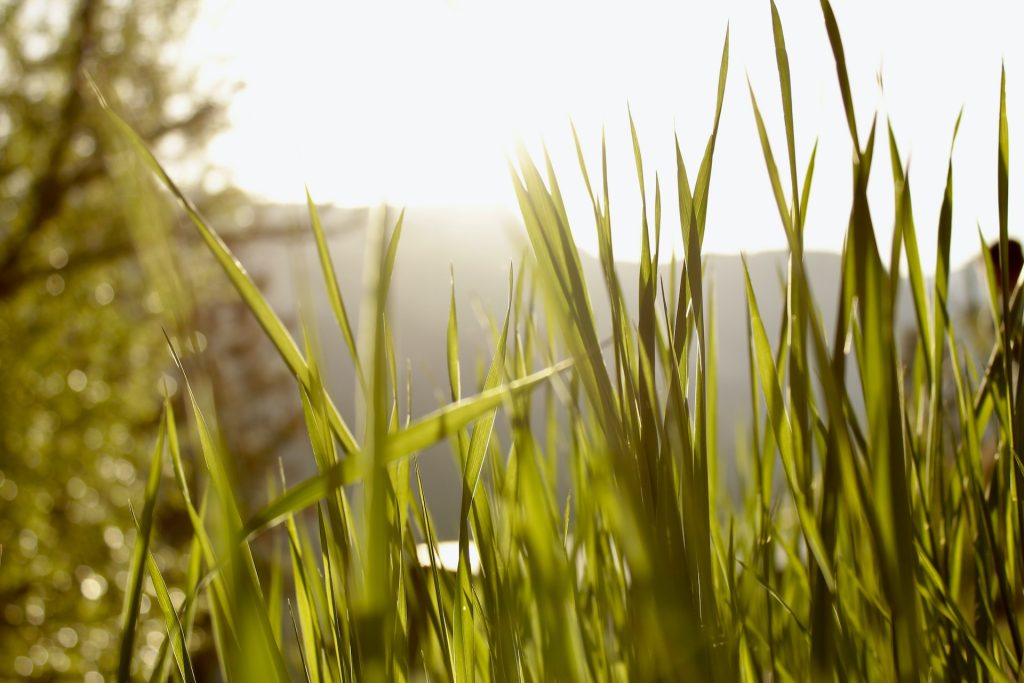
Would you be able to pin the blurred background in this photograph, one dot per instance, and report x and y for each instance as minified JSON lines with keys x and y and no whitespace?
{"x":375,"y":111}
{"x":87,"y":272}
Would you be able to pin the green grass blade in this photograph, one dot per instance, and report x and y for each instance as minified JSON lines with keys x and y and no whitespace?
{"x":133,"y":592}
{"x":173,"y":624}
{"x":783,"y":435}
{"x":237,"y":274}
{"x":422,"y":433}
{"x":782,"y":62}
{"x":836,"y":41}
{"x":334,"y":296}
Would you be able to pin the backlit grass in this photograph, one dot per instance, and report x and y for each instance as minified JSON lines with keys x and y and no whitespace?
{"x":891,"y":554}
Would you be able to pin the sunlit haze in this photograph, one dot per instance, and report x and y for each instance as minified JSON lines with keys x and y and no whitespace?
{"x":422,"y":103}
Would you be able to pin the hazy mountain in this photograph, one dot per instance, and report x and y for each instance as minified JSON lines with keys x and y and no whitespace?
{"x":478,"y":244}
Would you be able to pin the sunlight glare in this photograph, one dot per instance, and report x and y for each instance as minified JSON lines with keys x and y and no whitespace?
{"x":423,"y":104}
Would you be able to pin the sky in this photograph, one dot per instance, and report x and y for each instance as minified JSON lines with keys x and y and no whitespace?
{"x":424,"y":103}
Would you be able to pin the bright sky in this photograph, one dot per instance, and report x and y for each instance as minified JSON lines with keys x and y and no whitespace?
{"x":421,"y":103}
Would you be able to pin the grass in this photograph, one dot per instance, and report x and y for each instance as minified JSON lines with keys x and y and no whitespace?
{"x":890,"y":554}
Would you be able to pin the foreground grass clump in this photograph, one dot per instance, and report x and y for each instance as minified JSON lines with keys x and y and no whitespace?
{"x":890,"y":555}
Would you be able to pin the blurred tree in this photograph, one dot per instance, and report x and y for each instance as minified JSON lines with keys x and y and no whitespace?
{"x":81,"y":351}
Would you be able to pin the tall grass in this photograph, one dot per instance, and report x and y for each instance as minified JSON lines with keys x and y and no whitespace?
{"x":891,"y":553}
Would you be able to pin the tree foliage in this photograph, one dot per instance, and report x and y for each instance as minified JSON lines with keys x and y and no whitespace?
{"x":81,"y":351}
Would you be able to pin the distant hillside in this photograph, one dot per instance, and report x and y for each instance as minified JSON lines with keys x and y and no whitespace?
{"x":478,"y":244}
